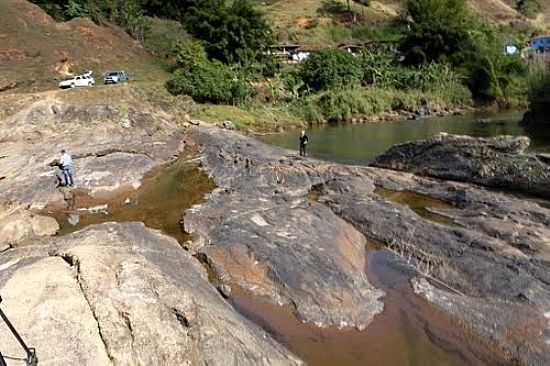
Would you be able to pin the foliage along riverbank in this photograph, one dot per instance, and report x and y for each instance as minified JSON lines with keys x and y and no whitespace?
{"x":432,"y":68}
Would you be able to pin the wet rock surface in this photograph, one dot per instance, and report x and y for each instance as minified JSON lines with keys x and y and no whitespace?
{"x":488,"y":269}
{"x":499,"y":162}
{"x":127,"y":295}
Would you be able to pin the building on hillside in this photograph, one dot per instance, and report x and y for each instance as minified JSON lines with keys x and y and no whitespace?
{"x":354,"y":47}
{"x":282,"y":52}
{"x":290,"y":53}
{"x":301,"y":53}
{"x":511,"y":49}
{"x":540,"y":44}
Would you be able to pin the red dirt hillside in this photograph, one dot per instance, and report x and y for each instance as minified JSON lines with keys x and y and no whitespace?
{"x":35,"y":50}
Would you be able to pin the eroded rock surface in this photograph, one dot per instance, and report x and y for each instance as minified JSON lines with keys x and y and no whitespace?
{"x":263,"y":233}
{"x":126,"y":295}
{"x":499,"y":162}
{"x":488,"y":267}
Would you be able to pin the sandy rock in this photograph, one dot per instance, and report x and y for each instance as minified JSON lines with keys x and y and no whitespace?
{"x":127,"y":295}
{"x":21,"y":225}
{"x":44,"y":301}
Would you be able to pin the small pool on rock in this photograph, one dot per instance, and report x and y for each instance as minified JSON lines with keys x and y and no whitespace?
{"x":159,"y":203}
{"x":409,"y":331}
{"x":419,"y":203}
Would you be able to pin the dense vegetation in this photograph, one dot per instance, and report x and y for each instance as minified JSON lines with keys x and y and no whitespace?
{"x":439,"y":52}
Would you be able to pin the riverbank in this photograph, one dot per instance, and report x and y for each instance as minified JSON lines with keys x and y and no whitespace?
{"x":371,"y":106}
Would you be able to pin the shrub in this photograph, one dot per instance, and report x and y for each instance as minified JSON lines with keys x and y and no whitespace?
{"x":340,"y":105}
{"x":492,"y":75}
{"x":331,"y":68}
{"x":189,"y":54}
{"x":211,"y":81}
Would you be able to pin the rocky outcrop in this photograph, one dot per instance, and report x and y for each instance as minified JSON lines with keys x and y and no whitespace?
{"x":268,"y":229}
{"x":17,"y":225}
{"x":126,"y":295}
{"x":113,"y":144}
{"x":499,"y":162}
{"x":262,"y":233}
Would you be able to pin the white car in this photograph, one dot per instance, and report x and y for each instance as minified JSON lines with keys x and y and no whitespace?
{"x":79,"y":80}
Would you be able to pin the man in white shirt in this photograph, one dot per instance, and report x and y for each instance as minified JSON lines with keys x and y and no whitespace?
{"x":67,"y":166}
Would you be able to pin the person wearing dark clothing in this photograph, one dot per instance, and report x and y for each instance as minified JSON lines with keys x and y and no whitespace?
{"x":303,"y":143}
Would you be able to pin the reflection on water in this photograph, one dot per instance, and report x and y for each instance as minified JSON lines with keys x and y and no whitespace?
{"x":159,"y":203}
{"x":359,"y":144}
{"x":408,"y":332}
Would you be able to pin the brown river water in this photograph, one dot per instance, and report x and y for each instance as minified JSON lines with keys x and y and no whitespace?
{"x":409,"y":331}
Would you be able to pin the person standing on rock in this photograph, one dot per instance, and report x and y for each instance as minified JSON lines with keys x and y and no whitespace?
{"x":66,"y":163}
{"x":303,"y":143}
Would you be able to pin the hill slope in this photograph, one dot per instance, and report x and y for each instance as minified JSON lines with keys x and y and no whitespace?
{"x":298,"y":20}
{"x":35,"y":50}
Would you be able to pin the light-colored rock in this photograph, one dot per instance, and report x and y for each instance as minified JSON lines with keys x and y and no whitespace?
{"x":44,"y":301}
{"x":21,"y":225}
{"x":129,"y":295}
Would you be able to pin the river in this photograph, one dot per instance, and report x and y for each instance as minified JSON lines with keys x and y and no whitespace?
{"x":360,"y":143}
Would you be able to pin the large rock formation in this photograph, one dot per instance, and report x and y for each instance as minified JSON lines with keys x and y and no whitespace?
{"x":264,"y":234}
{"x":126,"y":295}
{"x":113,"y":293}
{"x":113,"y":144}
{"x":268,"y":229}
{"x":499,"y":162}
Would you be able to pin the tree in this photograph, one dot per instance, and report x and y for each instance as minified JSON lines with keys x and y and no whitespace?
{"x":493,"y":75}
{"x":331,"y":68}
{"x":234,"y":32}
{"x":211,"y":81}
{"x":440,"y":31}
{"x":189,"y":54}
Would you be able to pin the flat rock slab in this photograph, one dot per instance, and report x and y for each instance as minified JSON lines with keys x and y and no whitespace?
{"x":499,"y":162}
{"x":127,"y":295}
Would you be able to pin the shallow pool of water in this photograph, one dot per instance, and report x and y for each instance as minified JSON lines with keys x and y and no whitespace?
{"x":408,"y":332}
{"x":419,"y":203}
{"x":159,"y":203}
{"x":359,"y":144}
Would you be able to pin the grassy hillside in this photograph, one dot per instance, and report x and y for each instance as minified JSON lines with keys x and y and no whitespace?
{"x":306,"y":22}
{"x":35,"y":51}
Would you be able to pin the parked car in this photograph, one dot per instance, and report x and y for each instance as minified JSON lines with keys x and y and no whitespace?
{"x":79,"y":80}
{"x":115,"y":77}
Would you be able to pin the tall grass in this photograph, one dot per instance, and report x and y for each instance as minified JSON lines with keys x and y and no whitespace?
{"x":539,"y":86}
{"x":339,"y":105}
